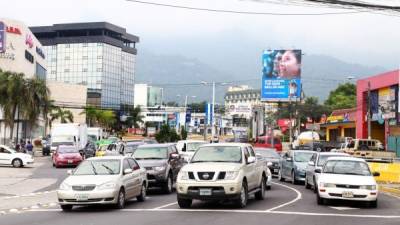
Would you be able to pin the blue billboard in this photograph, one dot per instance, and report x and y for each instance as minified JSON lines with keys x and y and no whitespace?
{"x":281,"y":75}
{"x":209,"y":114}
{"x":2,"y":37}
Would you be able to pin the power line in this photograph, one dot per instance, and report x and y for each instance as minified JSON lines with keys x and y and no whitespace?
{"x":246,"y":12}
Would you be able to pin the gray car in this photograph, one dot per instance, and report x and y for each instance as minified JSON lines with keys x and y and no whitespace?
{"x":293,"y":165}
{"x":162,"y":163}
{"x":317,"y":161}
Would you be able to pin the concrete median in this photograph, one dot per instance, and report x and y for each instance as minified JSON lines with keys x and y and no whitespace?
{"x":389,"y":172}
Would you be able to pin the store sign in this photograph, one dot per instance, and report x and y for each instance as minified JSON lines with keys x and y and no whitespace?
{"x":13,"y":30}
{"x":29,"y":40}
{"x":334,"y":119}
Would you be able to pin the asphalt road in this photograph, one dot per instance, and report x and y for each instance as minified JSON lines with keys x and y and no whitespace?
{"x":285,"y":204}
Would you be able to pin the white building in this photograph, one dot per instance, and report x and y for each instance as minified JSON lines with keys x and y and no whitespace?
{"x":147,"y":96}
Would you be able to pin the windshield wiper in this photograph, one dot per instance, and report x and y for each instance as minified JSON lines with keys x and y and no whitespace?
{"x":110,"y":171}
{"x":153,"y":158}
{"x":199,"y":161}
{"x":94,"y":169}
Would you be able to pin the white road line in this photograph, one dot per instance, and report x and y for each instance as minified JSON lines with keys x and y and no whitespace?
{"x":298,"y":197}
{"x":337,"y":214}
{"x":163,"y":206}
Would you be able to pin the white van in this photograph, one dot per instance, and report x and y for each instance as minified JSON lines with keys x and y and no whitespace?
{"x":69,"y":134}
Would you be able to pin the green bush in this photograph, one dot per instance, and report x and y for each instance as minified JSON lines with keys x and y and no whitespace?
{"x":166,"y":134}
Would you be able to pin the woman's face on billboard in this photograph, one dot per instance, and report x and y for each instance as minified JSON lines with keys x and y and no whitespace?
{"x":289,"y":65}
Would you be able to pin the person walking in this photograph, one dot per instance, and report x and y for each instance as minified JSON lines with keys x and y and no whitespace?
{"x":29,"y":148}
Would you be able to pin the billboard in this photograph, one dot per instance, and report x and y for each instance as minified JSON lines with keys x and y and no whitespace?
{"x":2,"y":37}
{"x":209,"y":114}
{"x":281,"y":75}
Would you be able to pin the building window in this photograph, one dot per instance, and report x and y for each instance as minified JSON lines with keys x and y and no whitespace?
{"x":99,"y":44}
{"x":53,"y":72}
{"x":40,"y":72}
{"x":99,"y":69}
{"x":54,"y":47}
{"x":54,"y":60}
{"x":66,"y":70}
{"x":85,"y":57}
{"x":67,"y":46}
{"x":29,"y":56}
{"x":67,"y":58}
{"x":84,"y":44}
{"x":84,"y":70}
{"x":99,"y":57}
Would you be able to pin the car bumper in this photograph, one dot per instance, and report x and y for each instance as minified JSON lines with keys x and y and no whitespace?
{"x":274,"y":170}
{"x":93,"y":197}
{"x":74,"y":162}
{"x":29,"y":161}
{"x":358,"y":194}
{"x":155,"y":178}
{"x":300,"y":175}
{"x":219,"y":190}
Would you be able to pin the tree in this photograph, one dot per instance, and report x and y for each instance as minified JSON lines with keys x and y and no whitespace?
{"x":166,"y":134}
{"x":64,"y":116}
{"x":107,"y":118}
{"x":92,"y":115}
{"x":184,"y":133}
{"x":172,"y":104}
{"x":344,"y":96}
{"x":36,"y":99}
{"x":135,"y":117}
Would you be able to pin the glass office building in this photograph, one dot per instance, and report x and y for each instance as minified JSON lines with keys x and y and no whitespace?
{"x":101,"y":56}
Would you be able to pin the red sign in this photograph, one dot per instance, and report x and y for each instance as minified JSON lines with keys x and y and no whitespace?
{"x":29,"y":40}
{"x":13,"y":30}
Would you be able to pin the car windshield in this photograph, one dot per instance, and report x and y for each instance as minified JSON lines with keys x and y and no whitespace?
{"x":92,"y":137}
{"x":347,"y":167}
{"x":151,"y":153}
{"x":58,"y":139}
{"x":65,"y":150}
{"x":323,"y":158}
{"x":302,"y":156}
{"x":98,"y":167}
{"x":130,"y":148}
{"x":191,"y":147}
{"x":218,"y":154}
{"x":268,"y":154}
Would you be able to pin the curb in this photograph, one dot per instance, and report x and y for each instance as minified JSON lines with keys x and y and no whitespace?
{"x":392,"y":191}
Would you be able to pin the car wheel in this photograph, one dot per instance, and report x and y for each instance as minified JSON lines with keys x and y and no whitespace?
{"x":373,"y":204}
{"x":168,"y":186}
{"x":184,"y":203}
{"x":294,"y":181}
{"x":280,"y":178}
{"x":66,"y":208}
{"x":142,"y":196}
{"x":260,"y":195}
{"x":17,"y":163}
{"x":244,"y":196}
{"x":315,"y":186}
{"x":320,"y":201}
{"x":306,"y":184}
{"x":121,"y":199}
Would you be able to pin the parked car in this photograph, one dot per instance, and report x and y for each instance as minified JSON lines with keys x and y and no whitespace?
{"x":66,"y":155}
{"x":105,"y":180}
{"x":317,"y":161}
{"x":162,"y":163}
{"x":9,"y":156}
{"x":266,"y":142}
{"x":347,"y":178}
{"x":225,"y":171}
{"x":271,"y":157}
{"x":186,"y":148}
{"x":293,"y":165}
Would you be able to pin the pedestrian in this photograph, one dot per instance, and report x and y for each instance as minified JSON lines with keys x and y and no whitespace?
{"x":29,"y":148}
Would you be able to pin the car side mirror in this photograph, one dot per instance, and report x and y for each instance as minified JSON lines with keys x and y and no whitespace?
{"x":289,"y":159}
{"x":317,"y":171}
{"x":376,"y":174}
{"x":311,"y":163}
{"x":269,"y":164}
{"x":174,"y":156}
{"x":251,"y":159}
{"x":128,"y":171}
{"x":69,"y":172}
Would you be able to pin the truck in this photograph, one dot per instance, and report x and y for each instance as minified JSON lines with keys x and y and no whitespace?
{"x":223,"y":171}
{"x":95,"y":133}
{"x":69,"y":134}
{"x":369,"y":149}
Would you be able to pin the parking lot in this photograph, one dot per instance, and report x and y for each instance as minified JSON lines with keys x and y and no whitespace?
{"x":284,"y":204}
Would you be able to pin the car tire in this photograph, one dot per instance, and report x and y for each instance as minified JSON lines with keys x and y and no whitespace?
{"x":315,"y":186}
{"x":373,"y":204}
{"x":280,"y":178}
{"x":169,"y":184}
{"x":306,"y":184}
{"x":184,"y":203}
{"x":121,"y":199}
{"x":294,"y":181}
{"x":241,"y":202}
{"x":260,"y":195}
{"x":142,"y":196}
{"x":320,"y":201}
{"x":17,"y":163}
{"x":66,"y":208}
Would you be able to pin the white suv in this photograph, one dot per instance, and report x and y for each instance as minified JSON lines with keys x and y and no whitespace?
{"x":226,"y":171}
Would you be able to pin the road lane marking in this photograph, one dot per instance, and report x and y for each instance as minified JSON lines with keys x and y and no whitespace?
{"x":342,"y":208}
{"x":298,"y":197}
{"x":166,"y":205}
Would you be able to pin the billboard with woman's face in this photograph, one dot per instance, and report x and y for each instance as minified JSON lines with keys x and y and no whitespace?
{"x":281,"y":75}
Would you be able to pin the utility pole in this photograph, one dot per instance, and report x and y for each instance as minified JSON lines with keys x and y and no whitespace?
{"x":213,"y":111}
{"x":369,"y":110}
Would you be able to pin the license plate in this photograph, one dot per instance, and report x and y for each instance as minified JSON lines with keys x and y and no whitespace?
{"x":276,"y":170}
{"x":347,"y":194}
{"x":205,"y":191}
{"x":81,"y":197}
{"x":70,"y":161}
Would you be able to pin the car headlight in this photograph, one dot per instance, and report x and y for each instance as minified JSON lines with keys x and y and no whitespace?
{"x":327,"y":185}
{"x":231,"y":175}
{"x":183,"y":175}
{"x":65,"y":187}
{"x":368,"y":187}
{"x":159,"y":168}
{"x":109,"y":185}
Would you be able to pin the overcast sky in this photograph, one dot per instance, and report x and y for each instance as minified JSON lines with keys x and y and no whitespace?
{"x":364,"y":38}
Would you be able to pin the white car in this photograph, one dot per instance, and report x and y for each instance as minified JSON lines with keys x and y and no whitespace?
{"x":103,"y":180}
{"x":347,"y":178}
{"x":187,"y":148}
{"x":9,"y":156}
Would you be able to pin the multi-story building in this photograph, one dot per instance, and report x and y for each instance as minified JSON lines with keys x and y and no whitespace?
{"x":148,"y":96}
{"x":99,"y":55}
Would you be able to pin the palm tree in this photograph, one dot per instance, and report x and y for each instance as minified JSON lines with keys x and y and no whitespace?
{"x":107,"y":118}
{"x":92,"y":115}
{"x":49,"y":107}
{"x":135,"y":117}
{"x":64,"y":116}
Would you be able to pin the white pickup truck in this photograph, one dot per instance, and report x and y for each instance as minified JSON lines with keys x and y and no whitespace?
{"x":225,"y":171}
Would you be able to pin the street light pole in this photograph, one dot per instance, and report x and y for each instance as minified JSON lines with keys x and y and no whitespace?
{"x":213,"y":111}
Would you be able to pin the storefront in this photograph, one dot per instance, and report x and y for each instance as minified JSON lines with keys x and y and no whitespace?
{"x":340,"y":124}
{"x":383,"y":100}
